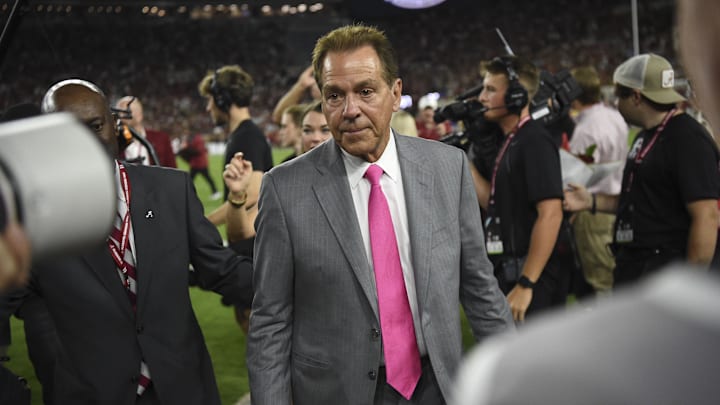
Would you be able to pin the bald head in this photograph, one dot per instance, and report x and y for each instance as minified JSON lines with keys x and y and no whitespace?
{"x":136,"y":110}
{"x":89,"y":105}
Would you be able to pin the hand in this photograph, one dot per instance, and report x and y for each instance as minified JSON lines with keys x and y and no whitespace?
{"x":441,"y":129}
{"x":577,"y":198}
{"x":237,"y":174}
{"x":519,"y":300}
{"x":306,"y":78}
{"x":14,"y":257}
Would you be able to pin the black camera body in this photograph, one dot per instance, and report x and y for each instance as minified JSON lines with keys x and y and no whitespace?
{"x":554,"y":96}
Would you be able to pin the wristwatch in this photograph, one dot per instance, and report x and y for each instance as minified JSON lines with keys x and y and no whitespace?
{"x":525,"y":282}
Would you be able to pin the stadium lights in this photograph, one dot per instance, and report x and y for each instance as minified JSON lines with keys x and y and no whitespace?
{"x":316,"y":7}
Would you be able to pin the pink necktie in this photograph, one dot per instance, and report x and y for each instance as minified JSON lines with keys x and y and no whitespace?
{"x":402,"y":358}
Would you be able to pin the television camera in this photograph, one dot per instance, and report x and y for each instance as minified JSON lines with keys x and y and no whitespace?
{"x":480,"y":138}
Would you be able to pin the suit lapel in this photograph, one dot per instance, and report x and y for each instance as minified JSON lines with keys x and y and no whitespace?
{"x":334,"y":197}
{"x":418,"y":185}
{"x":148,"y":238}
{"x":100,"y":261}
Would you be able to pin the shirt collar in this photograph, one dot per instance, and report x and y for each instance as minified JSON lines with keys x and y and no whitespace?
{"x":356,"y":167}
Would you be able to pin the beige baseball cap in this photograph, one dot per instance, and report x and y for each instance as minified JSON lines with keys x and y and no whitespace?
{"x":652,"y":75}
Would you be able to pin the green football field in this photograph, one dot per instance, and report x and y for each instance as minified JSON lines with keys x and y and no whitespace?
{"x":224,"y":339}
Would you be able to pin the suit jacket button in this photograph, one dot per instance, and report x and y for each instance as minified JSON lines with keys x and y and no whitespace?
{"x":372,"y":375}
{"x":139,"y":329}
{"x":375,"y":334}
{"x":134,"y":379}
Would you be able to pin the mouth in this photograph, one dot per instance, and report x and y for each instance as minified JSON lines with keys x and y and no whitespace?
{"x":352,"y":131}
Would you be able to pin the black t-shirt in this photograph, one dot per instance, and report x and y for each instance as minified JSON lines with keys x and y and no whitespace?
{"x":529,"y":172}
{"x":681,"y":167}
{"x":249,"y":139}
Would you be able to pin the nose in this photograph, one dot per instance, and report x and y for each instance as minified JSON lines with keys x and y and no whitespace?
{"x":315,"y":137}
{"x":482,"y":97}
{"x":351,"y":109}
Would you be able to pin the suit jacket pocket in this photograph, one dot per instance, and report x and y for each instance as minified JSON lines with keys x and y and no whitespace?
{"x":309,"y":361}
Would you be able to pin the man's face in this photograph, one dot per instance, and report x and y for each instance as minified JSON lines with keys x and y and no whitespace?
{"x":626,"y":103}
{"x":92,"y":110}
{"x":135,"y":110}
{"x":426,"y":115}
{"x":218,"y":116}
{"x":357,"y":102}
{"x":492,"y":96}
{"x":315,"y":130}
{"x":289,"y":132}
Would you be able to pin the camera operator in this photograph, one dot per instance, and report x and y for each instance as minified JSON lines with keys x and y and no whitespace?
{"x":523,"y":196}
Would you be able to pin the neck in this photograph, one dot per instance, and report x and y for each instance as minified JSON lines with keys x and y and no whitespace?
{"x":237,"y":116}
{"x":140,"y":130}
{"x":510,"y":122}
{"x":582,"y":107}
{"x":653,"y":119}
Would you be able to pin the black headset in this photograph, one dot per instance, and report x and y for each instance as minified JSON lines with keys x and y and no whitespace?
{"x":221,"y":96}
{"x":516,"y":96}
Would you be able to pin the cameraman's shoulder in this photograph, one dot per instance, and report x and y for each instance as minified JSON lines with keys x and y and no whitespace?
{"x":538,"y":136}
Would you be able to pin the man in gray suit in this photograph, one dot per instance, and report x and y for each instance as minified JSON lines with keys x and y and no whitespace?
{"x":322,"y":330}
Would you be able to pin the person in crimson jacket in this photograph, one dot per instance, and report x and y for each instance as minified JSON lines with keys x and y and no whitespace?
{"x":194,"y":152}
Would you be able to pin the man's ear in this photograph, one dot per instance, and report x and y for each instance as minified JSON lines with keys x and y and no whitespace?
{"x":397,"y":93}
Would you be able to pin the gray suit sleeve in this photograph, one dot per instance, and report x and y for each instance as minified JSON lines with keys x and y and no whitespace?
{"x":485,"y":306}
{"x":271,"y":322}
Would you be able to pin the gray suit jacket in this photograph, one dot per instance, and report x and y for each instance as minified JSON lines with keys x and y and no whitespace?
{"x":313,"y":329}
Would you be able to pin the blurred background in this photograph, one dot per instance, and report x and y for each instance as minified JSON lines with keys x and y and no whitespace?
{"x":160,"y":50}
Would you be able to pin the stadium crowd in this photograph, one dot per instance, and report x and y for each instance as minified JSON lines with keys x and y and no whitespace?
{"x":439,"y":50}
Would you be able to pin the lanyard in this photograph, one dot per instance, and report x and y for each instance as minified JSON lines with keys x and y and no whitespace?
{"x":118,"y":254}
{"x":500,"y":156}
{"x":641,"y":155}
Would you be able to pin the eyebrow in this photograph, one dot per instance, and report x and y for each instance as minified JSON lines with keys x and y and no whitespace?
{"x":358,"y":86}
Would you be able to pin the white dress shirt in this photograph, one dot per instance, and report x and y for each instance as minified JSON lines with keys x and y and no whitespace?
{"x":392,"y":186}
